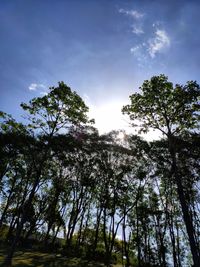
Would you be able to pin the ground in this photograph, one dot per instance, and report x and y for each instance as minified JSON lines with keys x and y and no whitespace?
{"x":39,"y":259}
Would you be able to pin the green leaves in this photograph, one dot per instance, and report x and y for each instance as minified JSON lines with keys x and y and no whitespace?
{"x":59,"y":109}
{"x":164,"y":107}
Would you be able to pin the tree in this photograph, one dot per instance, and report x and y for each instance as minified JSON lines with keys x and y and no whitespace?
{"x":173,"y":111}
{"x":48,"y":115}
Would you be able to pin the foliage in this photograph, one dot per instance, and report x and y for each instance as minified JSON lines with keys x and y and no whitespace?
{"x":66,"y":189}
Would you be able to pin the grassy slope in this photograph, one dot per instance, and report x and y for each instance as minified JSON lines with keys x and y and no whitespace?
{"x":39,"y":259}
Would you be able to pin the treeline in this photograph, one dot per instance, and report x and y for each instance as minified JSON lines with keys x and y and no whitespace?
{"x":60,"y":178}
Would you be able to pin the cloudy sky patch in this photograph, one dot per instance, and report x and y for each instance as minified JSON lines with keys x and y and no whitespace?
{"x":36,"y":86}
{"x":159,"y":43}
{"x":132,"y":13}
{"x":137,"y":29}
{"x":106,"y":53}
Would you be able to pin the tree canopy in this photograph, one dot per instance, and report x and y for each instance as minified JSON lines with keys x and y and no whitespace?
{"x":65,"y":188}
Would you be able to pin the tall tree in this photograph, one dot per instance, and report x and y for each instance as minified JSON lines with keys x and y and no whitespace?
{"x":48,"y":115}
{"x":171,"y":110}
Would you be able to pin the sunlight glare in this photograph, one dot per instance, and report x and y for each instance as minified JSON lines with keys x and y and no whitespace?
{"x":108,"y":117}
{"x":121,"y":135}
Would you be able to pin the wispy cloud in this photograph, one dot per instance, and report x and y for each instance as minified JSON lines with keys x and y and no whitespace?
{"x":134,"y":50}
{"x":151,"y":47}
{"x":151,"y":39}
{"x":133,"y":13}
{"x":136,"y":16}
{"x":139,"y":52}
{"x":43,"y":93}
{"x":137,"y":29}
{"x":160,"y":42}
{"x":35,"y":86}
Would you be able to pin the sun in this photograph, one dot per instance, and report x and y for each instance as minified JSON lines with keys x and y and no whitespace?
{"x":121,"y":135}
{"x":108,"y":116}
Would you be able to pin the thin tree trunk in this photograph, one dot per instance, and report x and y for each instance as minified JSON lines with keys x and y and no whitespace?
{"x":138,"y":239}
{"x":125,"y":242}
{"x":173,"y":241}
{"x":8,"y":201}
{"x":8,"y":260}
{"x":178,"y":245}
{"x":185,"y":209}
{"x":97,"y":229}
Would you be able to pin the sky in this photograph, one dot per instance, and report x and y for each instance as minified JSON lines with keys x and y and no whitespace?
{"x":102,"y":49}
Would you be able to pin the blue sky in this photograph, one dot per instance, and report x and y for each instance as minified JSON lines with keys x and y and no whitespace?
{"x":103,"y":49}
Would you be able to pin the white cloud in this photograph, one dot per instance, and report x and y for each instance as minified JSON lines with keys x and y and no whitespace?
{"x":135,"y":49}
{"x":133,"y":13}
{"x":35,"y":86}
{"x":137,"y":18}
{"x":43,"y":93}
{"x":86,"y":98}
{"x":137,"y":29}
{"x":32,"y":87}
{"x":160,"y":42}
{"x":157,"y":24}
{"x":139,"y":52}
{"x":149,"y":48}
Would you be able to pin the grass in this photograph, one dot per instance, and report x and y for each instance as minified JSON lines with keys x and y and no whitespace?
{"x":36,"y":258}
{"x":39,"y":259}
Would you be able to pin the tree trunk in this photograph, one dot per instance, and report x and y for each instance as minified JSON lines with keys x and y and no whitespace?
{"x":173,"y":240}
{"x":8,"y":201}
{"x":127,"y":264}
{"x":185,"y":209}
{"x":97,"y":229}
{"x":138,"y":243}
{"x":8,"y":260}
